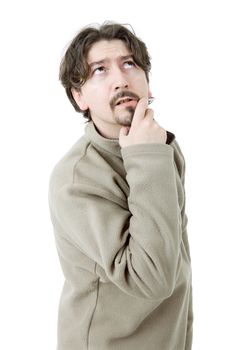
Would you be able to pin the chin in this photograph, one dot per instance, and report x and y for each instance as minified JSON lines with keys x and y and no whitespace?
{"x":126,"y":117}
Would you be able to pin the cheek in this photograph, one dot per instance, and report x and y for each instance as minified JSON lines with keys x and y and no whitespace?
{"x":92,"y":90}
{"x":96,"y":96}
{"x":98,"y":102}
{"x":143,"y":80}
{"x":139,"y":79}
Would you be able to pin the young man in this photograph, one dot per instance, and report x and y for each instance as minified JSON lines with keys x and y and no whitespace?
{"x":117,"y":203}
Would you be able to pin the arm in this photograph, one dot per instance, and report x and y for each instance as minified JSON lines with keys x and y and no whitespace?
{"x":138,"y":246}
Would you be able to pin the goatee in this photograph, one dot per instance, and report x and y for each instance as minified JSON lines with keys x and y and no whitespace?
{"x":126,"y":120}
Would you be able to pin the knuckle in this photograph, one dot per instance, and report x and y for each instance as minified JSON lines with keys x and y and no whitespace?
{"x":150,"y":111}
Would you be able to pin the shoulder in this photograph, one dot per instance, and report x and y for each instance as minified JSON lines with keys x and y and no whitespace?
{"x":85,"y":171}
{"x":63,"y":171}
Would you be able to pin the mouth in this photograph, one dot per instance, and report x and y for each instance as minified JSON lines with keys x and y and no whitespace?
{"x":126,"y":100}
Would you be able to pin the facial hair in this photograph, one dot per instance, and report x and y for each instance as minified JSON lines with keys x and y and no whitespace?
{"x":126,"y":117}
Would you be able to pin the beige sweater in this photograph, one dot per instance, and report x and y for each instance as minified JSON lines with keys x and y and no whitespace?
{"x":121,"y":234}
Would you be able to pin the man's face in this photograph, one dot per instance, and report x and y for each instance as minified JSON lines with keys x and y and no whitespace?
{"x":114,"y":77}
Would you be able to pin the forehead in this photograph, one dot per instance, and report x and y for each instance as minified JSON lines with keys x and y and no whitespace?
{"x":107,"y":49}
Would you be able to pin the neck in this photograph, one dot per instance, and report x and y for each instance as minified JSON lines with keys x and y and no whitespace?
{"x":107,"y":130}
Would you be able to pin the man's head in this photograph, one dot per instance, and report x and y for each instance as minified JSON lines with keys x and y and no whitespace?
{"x":100,"y":67}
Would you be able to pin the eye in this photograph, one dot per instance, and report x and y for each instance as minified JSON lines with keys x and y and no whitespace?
{"x":99,"y":70}
{"x":129,"y":64}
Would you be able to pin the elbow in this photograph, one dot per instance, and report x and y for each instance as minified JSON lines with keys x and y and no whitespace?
{"x":163,"y":283}
{"x":161,"y":290}
{"x":169,"y":287}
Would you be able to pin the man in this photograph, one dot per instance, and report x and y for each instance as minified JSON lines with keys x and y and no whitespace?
{"x":117,"y":204}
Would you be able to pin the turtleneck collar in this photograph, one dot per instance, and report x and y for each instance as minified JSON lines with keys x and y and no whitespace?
{"x":109,"y":145}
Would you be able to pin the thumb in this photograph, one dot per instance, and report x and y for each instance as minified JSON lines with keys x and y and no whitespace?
{"x":124,"y":131}
{"x":122,"y":135}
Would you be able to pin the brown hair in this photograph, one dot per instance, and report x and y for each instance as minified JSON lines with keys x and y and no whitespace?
{"x":74,"y":69}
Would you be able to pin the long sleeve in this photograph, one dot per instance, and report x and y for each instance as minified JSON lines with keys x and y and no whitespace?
{"x":135,"y":242}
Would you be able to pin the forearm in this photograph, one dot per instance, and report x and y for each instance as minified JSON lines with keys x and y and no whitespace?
{"x":155,"y":223}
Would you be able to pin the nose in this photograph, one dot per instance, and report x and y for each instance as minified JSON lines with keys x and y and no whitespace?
{"x":119,"y":80}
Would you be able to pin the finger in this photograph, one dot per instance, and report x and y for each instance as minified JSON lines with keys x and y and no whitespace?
{"x":149,"y":114}
{"x":139,"y":112}
{"x":123,"y":135}
{"x":123,"y":131}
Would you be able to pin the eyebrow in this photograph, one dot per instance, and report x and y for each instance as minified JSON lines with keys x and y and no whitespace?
{"x":121,"y":58}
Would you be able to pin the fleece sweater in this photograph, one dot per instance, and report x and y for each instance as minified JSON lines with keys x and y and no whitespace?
{"x":121,"y":234}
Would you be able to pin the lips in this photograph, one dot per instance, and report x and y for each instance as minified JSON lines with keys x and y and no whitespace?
{"x":125,"y":100}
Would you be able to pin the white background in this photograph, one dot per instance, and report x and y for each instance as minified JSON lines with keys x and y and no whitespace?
{"x":192,"y":79}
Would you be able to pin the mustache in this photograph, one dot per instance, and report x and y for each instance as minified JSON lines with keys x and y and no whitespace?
{"x":121,"y":95}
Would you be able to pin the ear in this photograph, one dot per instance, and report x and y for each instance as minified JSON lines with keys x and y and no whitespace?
{"x":79,"y":99}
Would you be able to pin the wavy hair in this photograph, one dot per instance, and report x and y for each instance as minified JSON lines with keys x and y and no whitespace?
{"x":74,"y":69}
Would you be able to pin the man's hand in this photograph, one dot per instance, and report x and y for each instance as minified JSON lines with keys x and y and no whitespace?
{"x":144,"y":129}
